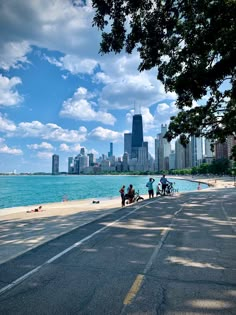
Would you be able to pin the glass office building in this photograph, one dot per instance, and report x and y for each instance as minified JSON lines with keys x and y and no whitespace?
{"x":137,"y":135}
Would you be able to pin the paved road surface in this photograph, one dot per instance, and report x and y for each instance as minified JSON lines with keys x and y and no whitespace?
{"x":163,"y":256}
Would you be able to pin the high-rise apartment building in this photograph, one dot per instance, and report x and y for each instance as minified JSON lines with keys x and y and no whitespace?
{"x":76,"y":164}
{"x":91,"y":159}
{"x":83,"y":163}
{"x":125,"y":162}
{"x":172,"y":160}
{"x":221,"y":150}
{"x":196,"y":151}
{"x":182,"y":155}
{"x":82,"y":151}
{"x":128,"y":143}
{"x":162,"y":150}
{"x":110,"y":153}
{"x":55,"y":164}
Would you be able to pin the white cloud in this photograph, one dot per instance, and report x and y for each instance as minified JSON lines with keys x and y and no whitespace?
{"x":103,"y":134}
{"x":101,"y":77}
{"x":43,"y":145}
{"x":125,"y":86}
{"x":148,"y":119}
{"x":60,"y":26}
{"x":44,"y":155}
{"x":78,"y":107}
{"x":48,"y":132}
{"x":7,"y":150}
{"x":13,"y":54}
{"x":72,"y":148}
{"x":75,"y":149}
{"x":74,"y":64}
{"x":47,"y":24}
{"x":64,"y":147}
{"x":8,"y":95}
{"x":164,"y":111}
{"x":6,"y":125}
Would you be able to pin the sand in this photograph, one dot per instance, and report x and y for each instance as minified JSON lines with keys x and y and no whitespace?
{"x":22,"y":231}
{"x":76,"y":206}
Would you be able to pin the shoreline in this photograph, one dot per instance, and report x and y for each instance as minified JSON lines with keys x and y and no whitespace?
{"x":22,"y":231}
{"x":111,"y":202}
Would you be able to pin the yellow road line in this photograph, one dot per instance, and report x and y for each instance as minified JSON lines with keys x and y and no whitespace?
{"x":134,"y":289}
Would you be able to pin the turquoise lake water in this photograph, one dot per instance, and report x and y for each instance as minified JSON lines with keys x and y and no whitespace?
{"x":33,"y":190}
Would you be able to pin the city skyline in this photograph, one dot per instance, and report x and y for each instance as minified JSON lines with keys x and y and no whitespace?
{"x":137,"y":158}
{"x":58,"y":94}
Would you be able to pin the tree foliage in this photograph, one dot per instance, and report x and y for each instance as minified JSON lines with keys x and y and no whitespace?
{"x":192,"y":44}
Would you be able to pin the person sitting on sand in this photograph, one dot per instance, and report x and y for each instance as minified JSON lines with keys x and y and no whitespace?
{"x":36,"y":209}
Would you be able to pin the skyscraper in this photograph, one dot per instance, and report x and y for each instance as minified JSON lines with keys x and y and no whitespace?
{"x":137,"y":135}
{"x":82,"y":151}
{"x":162,"y":150}
{"x":55,"y":164}
{"x":83,"y":163}
{"x":196,"y":151}
{"x":91,"y":159}
{"x":128,"y":143}
{"x":110,"y":153}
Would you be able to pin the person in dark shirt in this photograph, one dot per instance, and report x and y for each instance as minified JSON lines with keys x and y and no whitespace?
{"x":131,"y":193}
{"x":122,"y":195}
{"x":164,"y":182}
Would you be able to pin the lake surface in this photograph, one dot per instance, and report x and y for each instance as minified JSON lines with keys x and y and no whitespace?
{"x":33,"y":190}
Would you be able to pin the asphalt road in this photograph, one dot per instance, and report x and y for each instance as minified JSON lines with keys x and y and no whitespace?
{"x":170,"y":255}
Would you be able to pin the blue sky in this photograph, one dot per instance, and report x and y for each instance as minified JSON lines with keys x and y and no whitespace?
{"x":57,"y":94}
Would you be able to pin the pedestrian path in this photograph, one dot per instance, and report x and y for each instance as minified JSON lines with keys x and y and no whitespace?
{"x":21,"y":231}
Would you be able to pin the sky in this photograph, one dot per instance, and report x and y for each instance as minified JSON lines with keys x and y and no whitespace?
{"x":58,"y":94}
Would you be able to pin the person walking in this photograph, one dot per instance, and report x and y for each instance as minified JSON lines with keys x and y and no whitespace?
{"x":149,"y":185}
{"x":122,"y":195}
{"x":164,"y":182}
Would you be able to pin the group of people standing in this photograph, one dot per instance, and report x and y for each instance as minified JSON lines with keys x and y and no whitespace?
{"x":161,"y":187}
{"x":129,"y":196}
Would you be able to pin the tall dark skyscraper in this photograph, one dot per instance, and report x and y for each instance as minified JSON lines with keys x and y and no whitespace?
{"x":137,"y":135}
{"x":128,"y":143}
{"x":55,"y":164}
{"x":110,"y":153}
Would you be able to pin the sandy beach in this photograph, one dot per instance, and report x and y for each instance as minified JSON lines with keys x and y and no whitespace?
{"x":76,"y":206}
{"x":22,"y":231}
